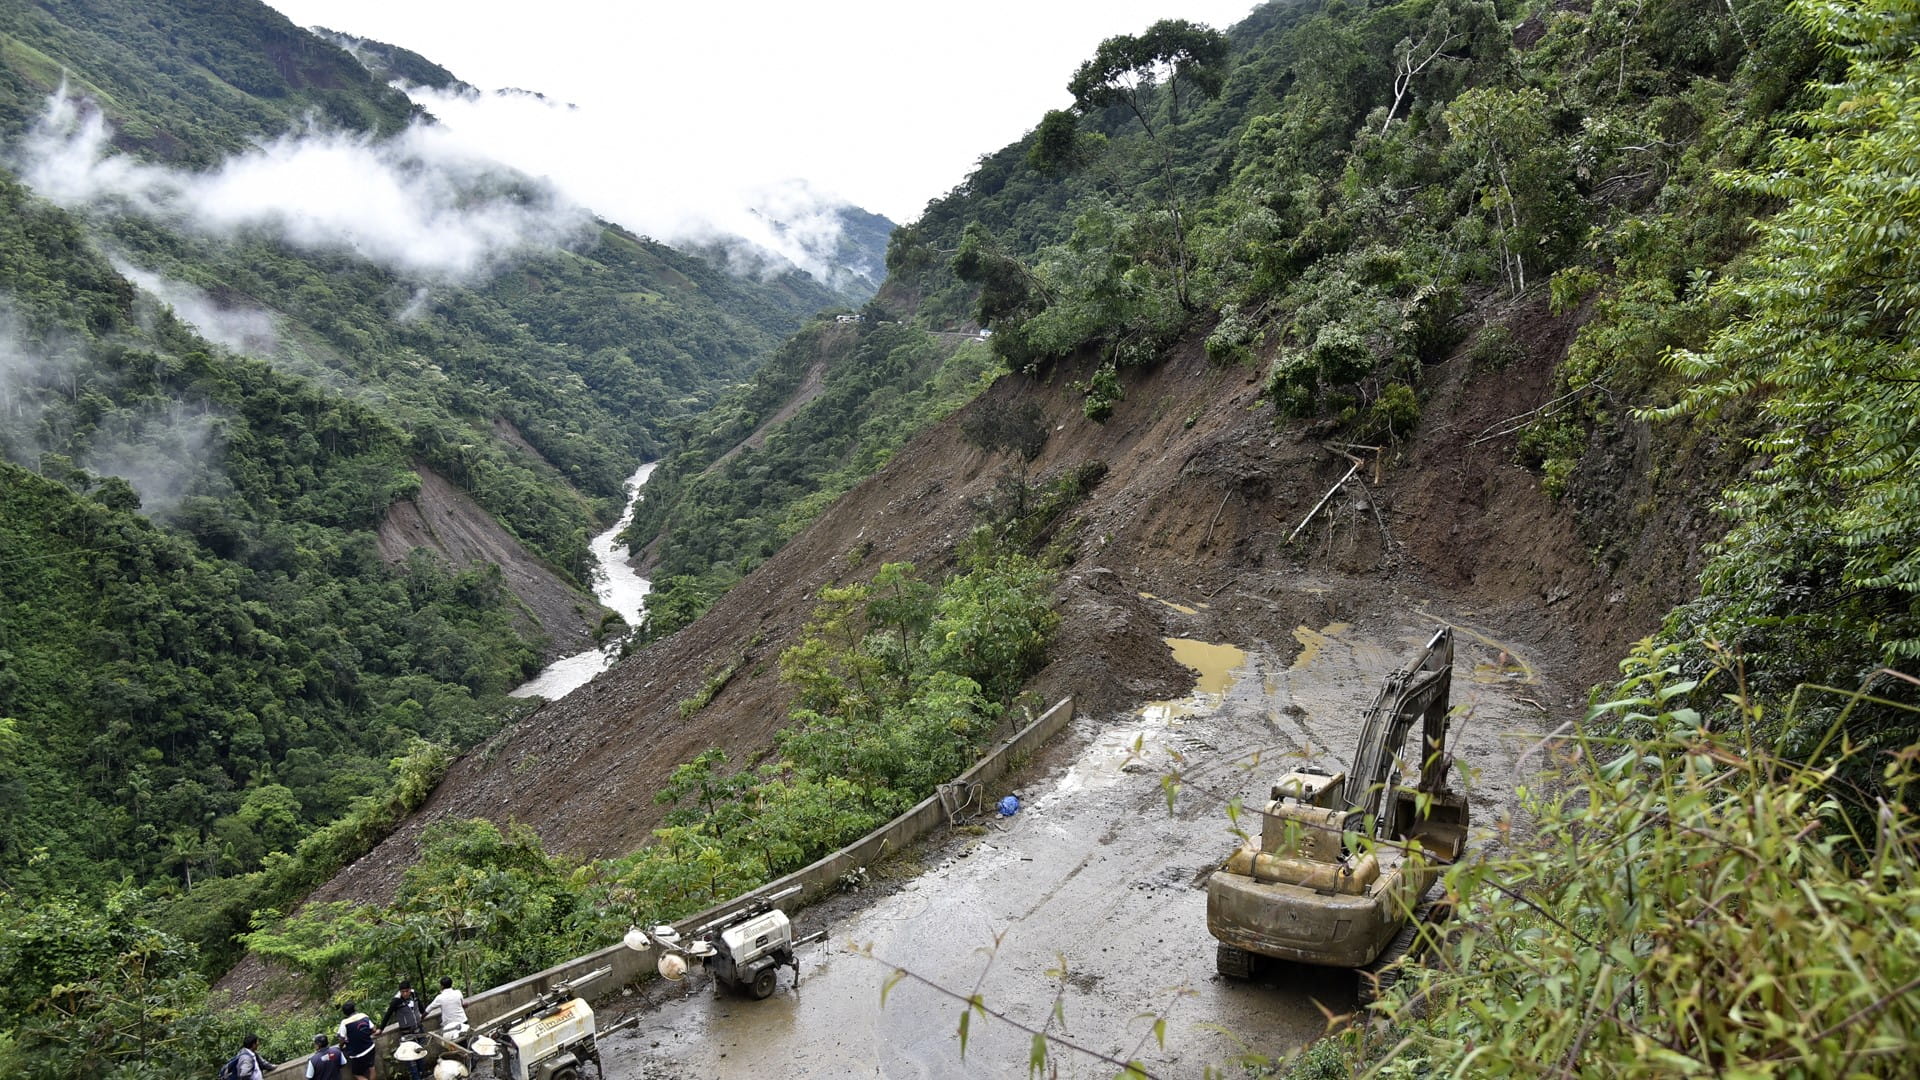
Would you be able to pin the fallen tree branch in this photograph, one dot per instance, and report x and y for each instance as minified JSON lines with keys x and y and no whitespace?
{"x":1373,"y":504}
{"x":1311,"y":514}
{"x":1216,"y":516}
{"x":1517,"y":423}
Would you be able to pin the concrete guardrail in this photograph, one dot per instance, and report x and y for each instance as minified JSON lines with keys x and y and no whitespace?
{"x":815,"y":880}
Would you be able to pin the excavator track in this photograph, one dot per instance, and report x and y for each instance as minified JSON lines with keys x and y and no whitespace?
{"x":1233,"y":963}
{"x":1379,"y":977}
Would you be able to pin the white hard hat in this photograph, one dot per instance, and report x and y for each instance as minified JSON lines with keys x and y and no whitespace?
{"x":483,"y":1047}
{"x":409,"y":1050}
{"x":450,"y":1069}
{"x":672,"y":966}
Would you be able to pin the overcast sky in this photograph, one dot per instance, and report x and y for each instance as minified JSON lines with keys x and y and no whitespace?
{"x":884,"y":103}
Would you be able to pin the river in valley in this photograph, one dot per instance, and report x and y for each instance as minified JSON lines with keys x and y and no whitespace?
{"x":619,"y":587}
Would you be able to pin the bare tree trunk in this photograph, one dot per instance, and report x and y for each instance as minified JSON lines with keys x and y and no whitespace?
{"x":1403,"y":79}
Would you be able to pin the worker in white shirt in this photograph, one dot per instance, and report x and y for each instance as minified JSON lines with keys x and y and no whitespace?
{"x":453,"y":1011}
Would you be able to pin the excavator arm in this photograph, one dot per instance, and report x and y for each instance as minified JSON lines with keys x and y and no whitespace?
{"x":1422,"y":690}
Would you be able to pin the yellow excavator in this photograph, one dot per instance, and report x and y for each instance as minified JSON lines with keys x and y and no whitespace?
{"x":1340,"y":871}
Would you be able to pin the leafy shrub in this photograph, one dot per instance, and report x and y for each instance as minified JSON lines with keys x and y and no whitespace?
{"x":1555,"y":474}
{"x":1692,"y":904}
{"x":1569,"y":287}
{"x":1494,"y":350}
{"x":1554,"y":445}
{"x":1103,"y":392}
{"x":1232,"y":340}
{"x":1390,"y":417}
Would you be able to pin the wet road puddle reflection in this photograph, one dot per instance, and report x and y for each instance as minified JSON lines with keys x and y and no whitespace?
{"x":1134,"y":746}
{"x":1313,"y":641}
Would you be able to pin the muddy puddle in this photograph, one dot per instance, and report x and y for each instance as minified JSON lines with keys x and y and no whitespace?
{"x":1088,"y":896}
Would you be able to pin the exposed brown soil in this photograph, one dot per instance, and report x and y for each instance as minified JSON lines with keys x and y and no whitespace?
{"x":507,"y":432}
{"x":1201,"y":494}
{"x":811,"y":386}
{"x":445,"y":520}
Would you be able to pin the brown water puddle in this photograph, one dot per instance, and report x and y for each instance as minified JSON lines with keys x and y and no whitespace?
{"x":1131,"y":747}
{"x":1181,"y":608}
{"x":1214,"y":663}
{"x":1313,"y":641}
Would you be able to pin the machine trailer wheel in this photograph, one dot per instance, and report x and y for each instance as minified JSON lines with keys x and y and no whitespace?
{"x":764,"y":982}
{"x":1233,"y":963}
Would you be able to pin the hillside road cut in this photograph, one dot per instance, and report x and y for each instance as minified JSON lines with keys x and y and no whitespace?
{"x":1091,"y":894}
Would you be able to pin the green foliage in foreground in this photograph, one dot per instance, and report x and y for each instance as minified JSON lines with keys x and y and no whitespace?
{"x":899,"y":685}
{"x":117,"y":989}
{"x":1691,"y":905}
{"x":102,"y":991}
{"x":1824,"y":339}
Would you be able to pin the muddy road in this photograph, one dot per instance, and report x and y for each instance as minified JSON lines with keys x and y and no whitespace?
{"x":1090,"y":895}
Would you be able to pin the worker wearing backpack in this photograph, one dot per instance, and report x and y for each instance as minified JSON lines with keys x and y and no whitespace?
{"x":405,"y":1011}
{"x":356,"y":1039}
{"x":247,"y":1064}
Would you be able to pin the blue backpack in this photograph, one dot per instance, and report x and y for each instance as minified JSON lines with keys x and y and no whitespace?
{"x":359,"y":1035}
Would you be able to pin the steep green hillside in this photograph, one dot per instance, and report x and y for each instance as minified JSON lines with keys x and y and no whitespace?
{"x":588,"y":353}
{"x":585,"y":342}
{"x":1331,"y":196}
{"x":1341,"y":194}
{"x":184,"y":81}
{"x":827,"y":410}
{"x":1351,"y":192}
{"x":1715,"y":203}
{"x":390,"y":62}
{"x":171,"y":676}
{"x":204,"y":661}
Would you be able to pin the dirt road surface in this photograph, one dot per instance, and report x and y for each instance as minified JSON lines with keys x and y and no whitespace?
{"x":1094,"y":877}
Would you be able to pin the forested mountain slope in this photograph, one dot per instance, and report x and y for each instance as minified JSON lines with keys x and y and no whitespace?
{"x":1342,"y":195}
{"x":1657,"y":254}
{"x":1321,"y":270}
{"x":828,"y":409}
{"x":1496,"y":254}
{"x":1327,"y":198}
{"x":248,"y":307}
{"x":189,"y":83}
{"x":1562,"y":279}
